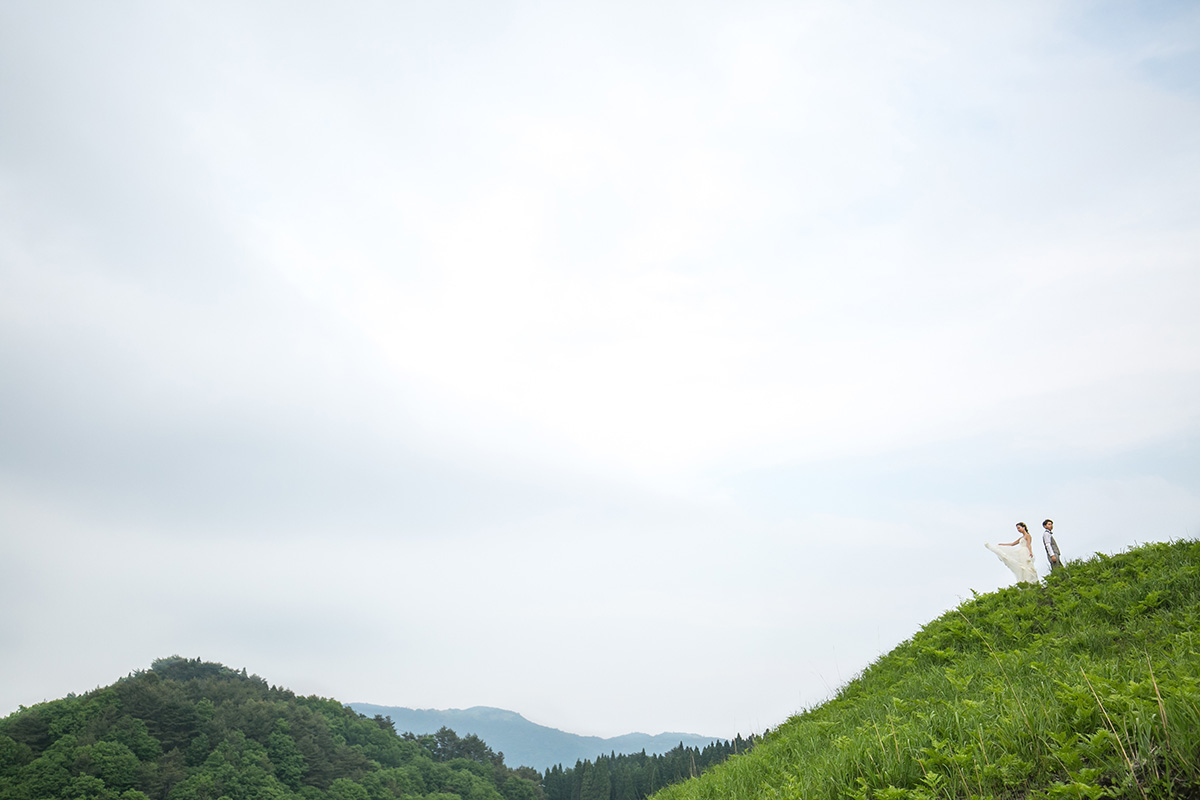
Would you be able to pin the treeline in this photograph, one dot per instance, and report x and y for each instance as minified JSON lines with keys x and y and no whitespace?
{"x":637,"y":775}
{"x":446,"y":746}
{"x":193,"y":730}
{"x":187,"y":729}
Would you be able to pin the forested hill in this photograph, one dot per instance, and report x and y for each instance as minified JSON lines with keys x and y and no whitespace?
{"x":527,"y":743}
{"x":1083,"y":688}
{"x":192,"y":730}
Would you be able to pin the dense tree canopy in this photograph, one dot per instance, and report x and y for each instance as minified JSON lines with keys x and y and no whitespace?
{"x":187,"y":729}
{"x":636,"y":775}
{"x":192,"y":730}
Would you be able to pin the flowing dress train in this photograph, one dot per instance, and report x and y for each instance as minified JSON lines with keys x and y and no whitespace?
{"x":1017,"y":558}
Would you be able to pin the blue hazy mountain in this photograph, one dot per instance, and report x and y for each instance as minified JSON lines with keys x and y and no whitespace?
{"x":525,"y":743}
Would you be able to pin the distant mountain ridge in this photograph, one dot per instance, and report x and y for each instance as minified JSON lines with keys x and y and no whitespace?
{"x":526,"y":743}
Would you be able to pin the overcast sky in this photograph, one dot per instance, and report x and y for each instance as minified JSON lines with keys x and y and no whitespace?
{"x":632,"y":366}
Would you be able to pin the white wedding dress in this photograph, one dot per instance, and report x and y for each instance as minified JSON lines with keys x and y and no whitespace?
{"x":1017,"y":558}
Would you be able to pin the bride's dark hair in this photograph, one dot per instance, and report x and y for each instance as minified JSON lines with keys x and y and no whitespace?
{"x":1023,"y":526}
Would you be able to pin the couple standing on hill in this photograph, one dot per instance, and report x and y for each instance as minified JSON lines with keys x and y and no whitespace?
{"x":1020,"y":558}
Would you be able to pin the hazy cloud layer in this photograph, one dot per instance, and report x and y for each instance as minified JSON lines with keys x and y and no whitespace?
{"x":631,"y":367}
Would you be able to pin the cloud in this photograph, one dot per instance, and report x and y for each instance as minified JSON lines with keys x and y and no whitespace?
{"x":470,"y":341}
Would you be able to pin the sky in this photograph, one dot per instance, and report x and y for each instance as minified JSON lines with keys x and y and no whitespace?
{"x":632,"y":366}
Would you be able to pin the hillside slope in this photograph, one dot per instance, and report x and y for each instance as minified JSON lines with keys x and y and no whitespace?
{"x":193,"y":730}
{"x":526,"y":743}
{"x":1085,"y":687}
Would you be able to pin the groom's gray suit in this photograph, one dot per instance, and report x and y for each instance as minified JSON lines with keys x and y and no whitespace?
{"x":1052,"y":553}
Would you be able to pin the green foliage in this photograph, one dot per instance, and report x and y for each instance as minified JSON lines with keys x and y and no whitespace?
{"x":112,"y":762}
{"x":88,"y":787}
{"x":286,"y":758}
{"x":596,"y":783}
{"x":134,"y":734}
{"x":44,"y":777}
{"x":446,"y":745}
{"x":635,"y":776}
{"x":518,"y":788}
{"x":13,"y":756}
{"x":346,"y":789}
{"x":192,"y":730}
{"x":1085,"y":687}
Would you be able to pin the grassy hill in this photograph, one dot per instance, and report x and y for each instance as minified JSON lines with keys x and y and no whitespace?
{"x":1085,"y":687}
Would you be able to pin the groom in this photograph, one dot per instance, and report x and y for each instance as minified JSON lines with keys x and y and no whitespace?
{"x":1051,"y":546}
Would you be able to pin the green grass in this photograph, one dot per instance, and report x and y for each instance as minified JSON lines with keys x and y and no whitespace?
{"x":1082,"y":688}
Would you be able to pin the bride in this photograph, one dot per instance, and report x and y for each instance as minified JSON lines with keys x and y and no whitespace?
{"x":1018,"y":559}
